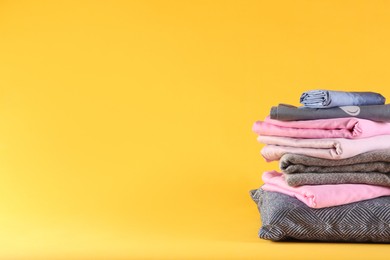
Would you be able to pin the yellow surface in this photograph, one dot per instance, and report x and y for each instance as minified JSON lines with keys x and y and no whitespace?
{"x":125,"y":126}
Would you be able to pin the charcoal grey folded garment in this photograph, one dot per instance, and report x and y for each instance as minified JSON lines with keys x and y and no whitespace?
{"x":285,"y":112}
{"x":372,"y":178}
{"x":326,"y":98}
{"x":375,"y":161}
{"x":285,"y":218}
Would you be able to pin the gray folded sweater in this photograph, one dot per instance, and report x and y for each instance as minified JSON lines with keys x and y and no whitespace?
{"x":375,"y":161}
{"x":285,"y":112}
{"x":373,"y":178}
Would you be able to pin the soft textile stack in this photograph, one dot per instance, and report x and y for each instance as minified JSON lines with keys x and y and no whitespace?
{"x":334,"y":155}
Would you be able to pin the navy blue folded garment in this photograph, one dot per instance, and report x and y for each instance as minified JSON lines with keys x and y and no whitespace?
{"x":328,"y":98}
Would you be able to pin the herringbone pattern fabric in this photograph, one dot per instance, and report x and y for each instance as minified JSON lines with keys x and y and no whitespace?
{"x":284,"y":217}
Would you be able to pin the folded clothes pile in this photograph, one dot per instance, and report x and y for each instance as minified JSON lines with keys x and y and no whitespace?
{"x":334,"y":160}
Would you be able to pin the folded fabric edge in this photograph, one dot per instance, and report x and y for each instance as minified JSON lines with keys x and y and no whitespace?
{"x":255,"y":195}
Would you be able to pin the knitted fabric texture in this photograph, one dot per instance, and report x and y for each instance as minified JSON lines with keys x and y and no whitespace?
{"x":373,"y":178}
{"x":375,"y":161}
{"x":285,"y":218}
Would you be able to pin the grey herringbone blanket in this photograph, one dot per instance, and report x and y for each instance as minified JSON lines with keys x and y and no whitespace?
{"x":284,"y":218}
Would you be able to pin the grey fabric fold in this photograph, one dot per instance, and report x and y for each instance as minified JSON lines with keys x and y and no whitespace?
{"x":286,"y":112}
{"x":285,"y":218}
{"x":327,"y":98}
{"x":375,"y":161}
{"x":372,"y":178}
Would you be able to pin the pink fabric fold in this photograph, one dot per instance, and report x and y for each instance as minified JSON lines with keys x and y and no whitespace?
{"x":327,"y":148}
{"x":322,"y":196}
{"x":349,"y":127}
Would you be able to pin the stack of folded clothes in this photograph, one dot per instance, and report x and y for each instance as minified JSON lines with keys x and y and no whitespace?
{"x":334,"y":157}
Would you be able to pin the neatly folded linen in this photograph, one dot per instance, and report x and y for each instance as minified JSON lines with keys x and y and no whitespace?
{"x":334,"y":148}
{"x":291,"y":113}
{"x":350,"y":128}
{"x":375,"y":161}
{"x":328,"y":98}
{"x":373,"y":178}
{"x":285,"y":218}
{"x":322,"y":196}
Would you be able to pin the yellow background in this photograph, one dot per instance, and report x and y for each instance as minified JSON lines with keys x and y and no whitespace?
{"x":125,"y":126}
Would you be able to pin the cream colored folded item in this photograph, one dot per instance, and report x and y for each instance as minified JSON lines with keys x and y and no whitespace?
{"x":327,"y":148}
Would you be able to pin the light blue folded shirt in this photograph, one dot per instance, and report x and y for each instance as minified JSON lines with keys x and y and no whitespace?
{"x":328,"y":98}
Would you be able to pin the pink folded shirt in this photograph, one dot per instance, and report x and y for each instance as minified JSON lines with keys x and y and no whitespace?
{"x":322,"y":196}
{"x":348,"y":127}
{"x":326,"y":148}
